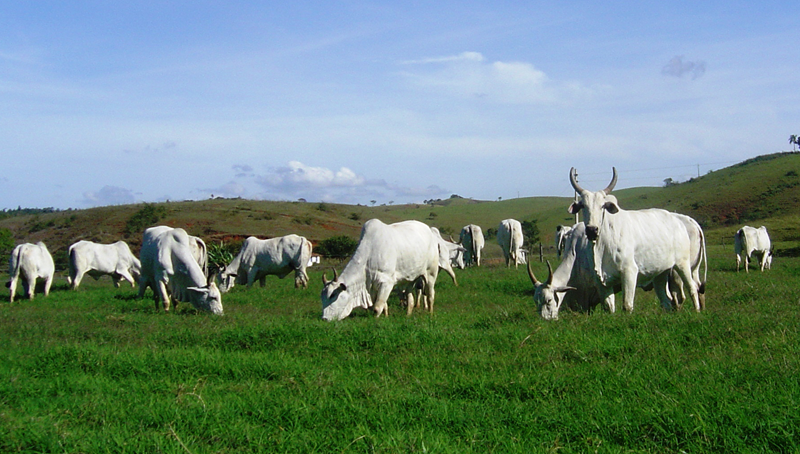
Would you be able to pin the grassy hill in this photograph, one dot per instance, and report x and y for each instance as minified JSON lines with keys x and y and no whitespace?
{"x":761,"y":191}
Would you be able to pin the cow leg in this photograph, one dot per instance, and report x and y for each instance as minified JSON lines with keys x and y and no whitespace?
{"x":409,"y":303}
{"x":609,"y":302}
{"x":47,"y":283}
{"x":628,"y":289}
{"x":660,"y":287}
{"x":28,"y":286}
{"x":127,"y":276}
{"x":430,"y":292}
{"x":76,"y":281}
{"x":381,"y":300}
{"x":163,"y":295}
{"x":738,"y":262}
{"x":115,"y":278}
{"x":747,"y":263}
{"x":685,"y":273}
{"x":12,"y":287}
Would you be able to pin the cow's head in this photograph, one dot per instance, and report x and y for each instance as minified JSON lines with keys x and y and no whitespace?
{"x":548,"y":299}
{"x":457,"y":257}
{"x":226,"y":278}
{"x":206,"y":298}
{"x":336,"y":300}
{"x":135,"y":268}
{"x":593,"y":205}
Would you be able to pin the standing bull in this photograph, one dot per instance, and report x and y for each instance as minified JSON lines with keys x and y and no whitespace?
{"x":276,"y":256}
{"x":509,"y":237}
{"x":634,"y":247}
{"x":96,"y":260}
{"x":749,"y":241}
{"x":471,"y":238}
{"x":31,"y":262}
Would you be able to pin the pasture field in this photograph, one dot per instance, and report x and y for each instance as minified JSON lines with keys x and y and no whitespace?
{"x":98,"y":370}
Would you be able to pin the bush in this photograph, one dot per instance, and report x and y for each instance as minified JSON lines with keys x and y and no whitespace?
{"x":147,"y":216}
{"x":341,"y":246}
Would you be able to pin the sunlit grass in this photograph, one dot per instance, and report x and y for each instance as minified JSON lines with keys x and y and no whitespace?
{"x":100,"y":370}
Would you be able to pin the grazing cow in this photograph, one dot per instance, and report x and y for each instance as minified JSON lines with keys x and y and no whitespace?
{"x":561,"y":233}
{"x":96,"y":260}
{"x":276,"y":256}
{"x":634,"y":247}
{"x":404,"y":254}
{"x":749,"y":241}
{"x":199,"y":252}
{"x":509,"y":237}
{"x":574,"y":282}
{"x":171,"y":270}
{"x":451,"y":254}
{"x":31,"y":262}
{"x":471,"y":238}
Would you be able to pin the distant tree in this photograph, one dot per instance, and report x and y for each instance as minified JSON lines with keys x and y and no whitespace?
{"x":373,"y":202}
{"x":6,"y":242}
{"x":668,"y":182}
{"x":146,"y":217}
{"x":795,"y":141}
{"x":341,"y":246}
{"x":530,"y":232}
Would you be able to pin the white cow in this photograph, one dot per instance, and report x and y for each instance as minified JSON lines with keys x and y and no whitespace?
{"x":170,"y":269}
{"x":199,"y":252}
{"x":276,"y":256}
{"x":634,"y":247}
{"x":749,"y":241}
{"x":574,"y":282}
{"x":197,"y":246}
{"x":509,"y":237}
{"x":471,"y":238}
{"x":561,"y":233}
{"x":405,"y":254}
{"x":451,"y":254}
{"x":96,"y":260}
{"x":31,"y":262}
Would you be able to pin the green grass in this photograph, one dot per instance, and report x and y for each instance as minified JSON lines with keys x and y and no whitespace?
{"x":98,"y":370}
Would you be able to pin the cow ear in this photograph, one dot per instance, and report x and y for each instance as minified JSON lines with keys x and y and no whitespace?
{"x":564,"y":289}
{"x":197,"y":289}
{"x":611,"y":207}
{"x":575,"y":207}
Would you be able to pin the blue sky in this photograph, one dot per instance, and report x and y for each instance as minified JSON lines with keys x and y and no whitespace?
{"x":351,"y":101}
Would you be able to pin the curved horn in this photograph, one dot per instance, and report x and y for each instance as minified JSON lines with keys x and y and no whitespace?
{"x":574,"y":181}
{"x":533,"y":278}
{"x":613,"y":183}
{"x":335,"y":274}
{"x":325,"y":280}
{"x":549,"y":274}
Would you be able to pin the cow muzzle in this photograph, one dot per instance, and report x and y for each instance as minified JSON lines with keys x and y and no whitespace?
{"x":592,"y":232}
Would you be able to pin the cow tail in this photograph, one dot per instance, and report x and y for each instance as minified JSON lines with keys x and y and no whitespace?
{"x":71,"y":265}
{"x":16,"y":260}
{"x":702,"y":288}
{"x":475,"y":250}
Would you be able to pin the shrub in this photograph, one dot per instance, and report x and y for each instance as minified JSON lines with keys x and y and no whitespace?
{"x":147,"y":216}
{"x":341,"y":246}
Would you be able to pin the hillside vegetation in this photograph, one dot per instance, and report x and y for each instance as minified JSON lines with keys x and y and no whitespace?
{"x":759,"y":191}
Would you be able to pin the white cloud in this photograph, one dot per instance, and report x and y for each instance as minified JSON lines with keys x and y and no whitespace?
{"x":109,"y":195}
{"x":469,"y":75}
{"x":297,"y":180}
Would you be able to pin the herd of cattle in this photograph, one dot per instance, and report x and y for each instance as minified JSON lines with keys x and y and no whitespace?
{"x":612,"y":250}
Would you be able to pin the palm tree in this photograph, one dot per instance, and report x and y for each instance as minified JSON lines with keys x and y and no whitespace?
{"x":795,"y":141}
